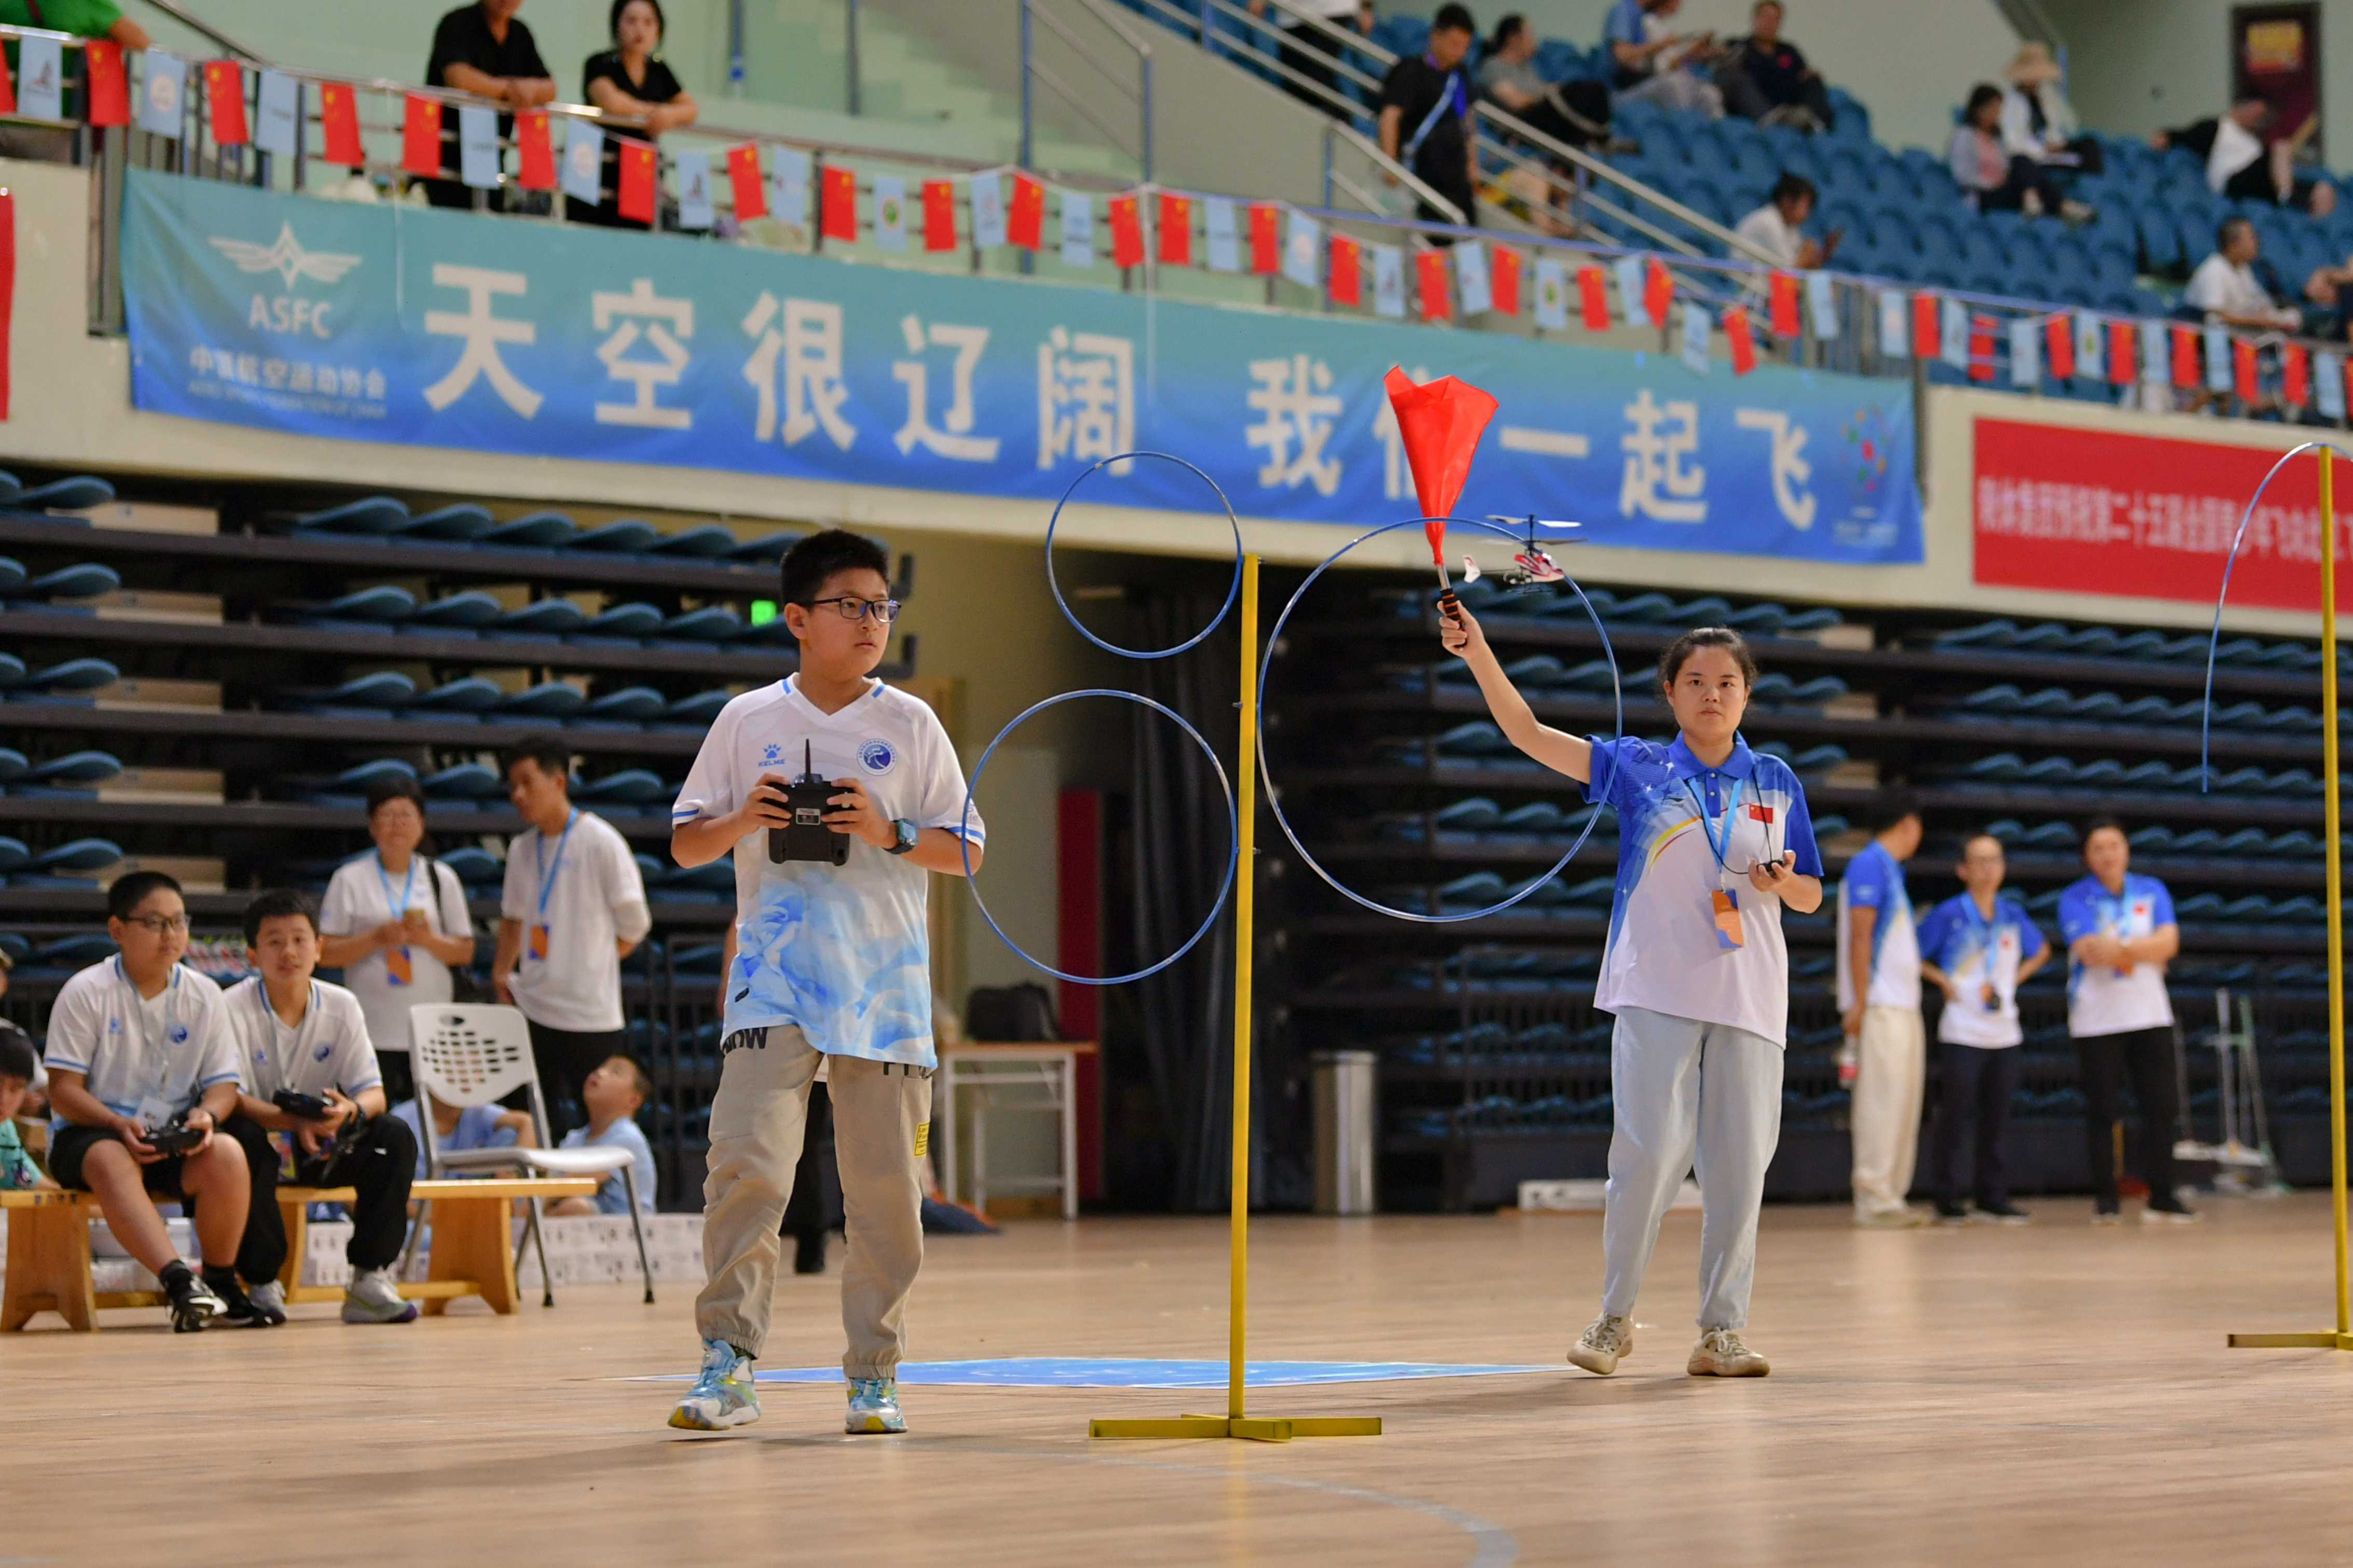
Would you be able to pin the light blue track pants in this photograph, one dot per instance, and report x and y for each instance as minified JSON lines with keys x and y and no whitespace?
{"x":1688,"y":1094}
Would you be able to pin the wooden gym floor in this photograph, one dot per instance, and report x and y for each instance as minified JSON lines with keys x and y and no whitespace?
{"x":2058,"y":1393}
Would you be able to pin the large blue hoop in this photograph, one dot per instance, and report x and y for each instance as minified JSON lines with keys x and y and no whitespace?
{"x":1274,"y":797}
{"x":1233,"y":591}
{"x":1233,"y":823}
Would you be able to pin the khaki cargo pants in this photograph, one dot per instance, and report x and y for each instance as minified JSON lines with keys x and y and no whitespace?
{"x":882,"y":1118}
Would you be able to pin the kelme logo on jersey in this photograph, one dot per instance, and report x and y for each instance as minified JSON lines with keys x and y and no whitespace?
{"x":771,"y":755}
{"x":875,"y":756}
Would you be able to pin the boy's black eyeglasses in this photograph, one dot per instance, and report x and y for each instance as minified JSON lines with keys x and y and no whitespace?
{"x":855,"y":609}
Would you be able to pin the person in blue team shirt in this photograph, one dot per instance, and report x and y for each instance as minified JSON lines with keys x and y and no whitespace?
{"x":2120,"y":934}
{"x":1978,"y":948}
{"x":1713,"y":838}
{"x":1886,"y":1048}
{"x":616,"y":1091}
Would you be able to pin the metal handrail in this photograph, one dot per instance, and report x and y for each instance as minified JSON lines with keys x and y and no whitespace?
{"x":1061,"y":91}
{"x":1142,"y":150}
{"x":197,"y":25}
{"x":1601,"y":169}
{"x":1396,"y":170}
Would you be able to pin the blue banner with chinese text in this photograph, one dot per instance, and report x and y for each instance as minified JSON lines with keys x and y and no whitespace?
{"x":410,"y":325}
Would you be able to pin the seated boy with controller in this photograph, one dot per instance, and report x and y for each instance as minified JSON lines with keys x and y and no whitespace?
{"x":831,"y":965}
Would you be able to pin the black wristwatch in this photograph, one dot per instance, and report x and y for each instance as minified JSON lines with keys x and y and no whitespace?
{"x":906,"y":832}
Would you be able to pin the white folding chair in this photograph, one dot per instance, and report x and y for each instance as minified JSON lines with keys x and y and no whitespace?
{"x":470,"y":1054}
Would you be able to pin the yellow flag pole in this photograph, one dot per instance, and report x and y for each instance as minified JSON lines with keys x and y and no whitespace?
{"x":1245,"y":917}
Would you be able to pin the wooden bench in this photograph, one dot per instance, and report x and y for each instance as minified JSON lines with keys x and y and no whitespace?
{"x":472,"y":1252}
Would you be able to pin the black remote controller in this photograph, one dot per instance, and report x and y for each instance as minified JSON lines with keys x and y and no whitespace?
{"x":174,"y":1137}
{"x":308,"y":1106}
{"x":809,"y":839}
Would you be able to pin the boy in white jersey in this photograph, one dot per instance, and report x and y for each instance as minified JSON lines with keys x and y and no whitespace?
{"x":302,"y":1038}
{"x":832,"y":965}
{"x":134,"y":1045}
{"x":1879,"y":1008}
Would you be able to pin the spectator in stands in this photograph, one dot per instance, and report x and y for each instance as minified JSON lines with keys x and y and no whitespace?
{"x":1575,"y":112}
{"x":2225,"y":287}
{"x":395,"y":921}
{"x":614,"y":1093}
{"x":1649,"y":60}
{"x":305,"y":1048}
{"x":1309,"y":49}
{"x":484,"y":49}
{"x":83,"y":19}
{"x":1878,"y":1009}
{"x":17,"y":1064}
{"x":1777,"y":228}
{"x":474,"y":1127}
{"x":1765,"y":77}
{"x":136,"y":1045}
{"x":1425,"y":116}
{"x":1990,"y":179}
{"x":1977,"y":948}
{"x":573,"y":907}
{"x":2120,"y":934}
{"x":2038,"y":123}
{"x":2239,"y":166}
{"x":630,"y":78}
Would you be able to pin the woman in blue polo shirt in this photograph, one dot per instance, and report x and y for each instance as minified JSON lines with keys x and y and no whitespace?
{"x":1712,"y":839}
{"x":2120,"y":934}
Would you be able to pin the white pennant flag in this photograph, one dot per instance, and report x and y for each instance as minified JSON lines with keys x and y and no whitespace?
{"x":1301,"y":247}
{"x":1217,"y":226}
{"x":1822,"y":303}
{"x":40,"y":80}
{"x":693,"y":170}
{"x":1470,"y":276}
{"x":583,"y":156}
{"x":2155,"y":353}
{"x":1953,"y":334}
{"x":2328,"y":385}
{"x":1552,"y":296}
{"x":1389,"y":280}
{"x":891,"y":211}
{"x":2025,"y":353}
{"x":276,"y":128}
{"x":2218,"y":360}
{"x":2091,"y":346}
{"x":478,"y":146}
{"x":788,"y":183}
{"x":985,"y":191}
{"x":1697,"y":325}
{"x":162,"y":91}
{"x":1078,"y":229}
{"x":1894,"y":325}
{"x":1630,"y":289}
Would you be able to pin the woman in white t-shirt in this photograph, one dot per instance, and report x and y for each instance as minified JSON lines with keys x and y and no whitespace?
{"x":395,"y":921}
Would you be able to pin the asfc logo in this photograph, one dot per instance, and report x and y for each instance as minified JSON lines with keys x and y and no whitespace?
{"x":285,"y":256}
{"x":875,"y":757}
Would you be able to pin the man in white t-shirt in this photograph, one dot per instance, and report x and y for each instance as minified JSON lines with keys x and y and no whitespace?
{"x":832,"y":964}
{"x":574,"y":907}
{"x":1777,"y":228}
{"x":1878,"y":1009}
{"x":2225,"y":288}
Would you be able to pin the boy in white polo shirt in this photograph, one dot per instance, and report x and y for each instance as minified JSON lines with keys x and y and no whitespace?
{"x":832,"y":964}
{"x":574,"y":908}
{"x":1879,"y":1007}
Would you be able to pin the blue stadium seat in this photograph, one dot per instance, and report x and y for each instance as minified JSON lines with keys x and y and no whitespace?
{"x":2160,"y":239}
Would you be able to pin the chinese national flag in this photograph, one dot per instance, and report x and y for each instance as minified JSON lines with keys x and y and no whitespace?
{"x":1743,"y":342}
{"x":1980,"y":347}
{"x":2185,"y":357}
{"x":339,"y":120}
{"x":1782,"y":294}
{"x":1503,"y":281}
{"x":1265,"y":248}
{"x":8,"y":88}
{"x":1593,"y":297}
{"x":420,"y":135}
{"x":837,"y":204}
{"x":1658,"y":293}
{"x":2296,"y":379}
{"x":939,"y":214}
{"x":2120,"y":352}
{"x":636,"y":194}
{"x":1927,"y":331}
{"x":1347,"y":271}
{"x":1429,"y":272}
{"x":2059,"y":346}
{"x":225,"y":102}
{"x":110,"y":88}
{"x":535,"y":154}
{"x":2243,"y":370}
{"x":1175,"y":229}
{"x":1127,"y":231}
{"x":744,"y":175}
{"x":1025,"y":222}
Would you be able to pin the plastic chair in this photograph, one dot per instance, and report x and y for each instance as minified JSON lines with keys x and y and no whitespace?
{"x":470,"y":1054}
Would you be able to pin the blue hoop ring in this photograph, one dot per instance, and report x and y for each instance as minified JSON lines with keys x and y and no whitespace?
{"x":1233,"y":823}
{"x":1233,"y":591}
{"x":1274,"y":797}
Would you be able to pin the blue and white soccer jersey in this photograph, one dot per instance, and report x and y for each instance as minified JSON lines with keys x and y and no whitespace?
{"x":1875,"y":880}
{"x":1687,"y":832}
{"x":2100,"y":999}
{"x":843,"y":952}
{"x":149,"y":1057}
{"x":1977,"y":952}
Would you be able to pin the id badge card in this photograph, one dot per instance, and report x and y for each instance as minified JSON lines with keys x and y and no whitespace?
{"x":539,"y":943}
{"x":397,"y":967}
{"x":1723,"y":911}
{"x":153,"y":1111}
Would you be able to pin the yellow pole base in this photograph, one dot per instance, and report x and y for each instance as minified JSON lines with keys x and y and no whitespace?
{"x":1257,"y":1429}
{"x":2292,"y":1342}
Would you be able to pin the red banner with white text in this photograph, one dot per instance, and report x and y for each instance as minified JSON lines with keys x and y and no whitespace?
{"x":2148,"y":517}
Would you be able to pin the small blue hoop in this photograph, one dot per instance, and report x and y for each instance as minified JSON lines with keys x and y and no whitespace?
{"x":1233,"y":590}
{"x":1233,"y":823}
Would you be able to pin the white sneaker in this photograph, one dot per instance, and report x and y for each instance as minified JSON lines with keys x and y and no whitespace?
{"x":373,"y":1297}
{"x":1605,"y":1339}
{"x":722,"y":1396}
{"x":2106,"y":1216}
{"x":1902,"y":1218}
{"x":1720,"y":1353}
{"x":2154,"y":1215}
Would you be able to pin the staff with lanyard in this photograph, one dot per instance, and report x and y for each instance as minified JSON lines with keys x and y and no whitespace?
{"x":573,"y":907}
{"x":1425,"y":116}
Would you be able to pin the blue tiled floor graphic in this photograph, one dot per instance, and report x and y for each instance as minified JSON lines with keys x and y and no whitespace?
{"x":1086,"y":1372}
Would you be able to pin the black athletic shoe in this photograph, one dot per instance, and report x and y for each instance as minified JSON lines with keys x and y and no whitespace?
{"x":240,"y":1311}
{"x":1952,"y":1214}
{"x":2005,"y":1213}
{"x":193,"y":1303}
{"x":809,"y":1253}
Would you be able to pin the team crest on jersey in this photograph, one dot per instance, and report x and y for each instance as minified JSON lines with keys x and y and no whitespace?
{"x":179,"y":1034}
{"x":322,"y":1053}
{"x":876,"y":756}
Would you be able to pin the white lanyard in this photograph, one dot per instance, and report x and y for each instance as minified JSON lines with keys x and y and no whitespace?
{"x":138,"y":1007}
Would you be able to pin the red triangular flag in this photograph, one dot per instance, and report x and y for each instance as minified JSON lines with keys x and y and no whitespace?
{"x":939,"y":214}
{"x":1980,"y":347}
{"x":2244,"y":369}
{"x":837,"y":204}
{"x":1503,"y":281}
{"x":2185,"y":357}
{"x":1439,"y":425}
{"x":1744,"y":343}
{"x":1927,"y":329}
{"x":1782,"y":293}
{"x":1265,"y":247}
{"x":420,"y":135}
{"x":535,"y":154}
{"x":1176,"y":230}
{"x":338,"y":122}
{"x":225,"y":102}
{"x":1593,"y":295}
{"x":1429,"y":274}
{"x":637,"y":192}
{"x":2120,"y":352}
{"x":1025,"y":221}
{"x":744,"y":173}
{"x":109,"y":96}
{"x":1658,"y":293}
{"x":1127,"y":231}
{"x":2059,"y":346}
{"x":2294,"y":380}
{"x":1347,"y":274}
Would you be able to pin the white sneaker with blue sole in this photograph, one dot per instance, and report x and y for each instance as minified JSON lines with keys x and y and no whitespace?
{"x":722,"y":1396}
{"x":874,"y":1407}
